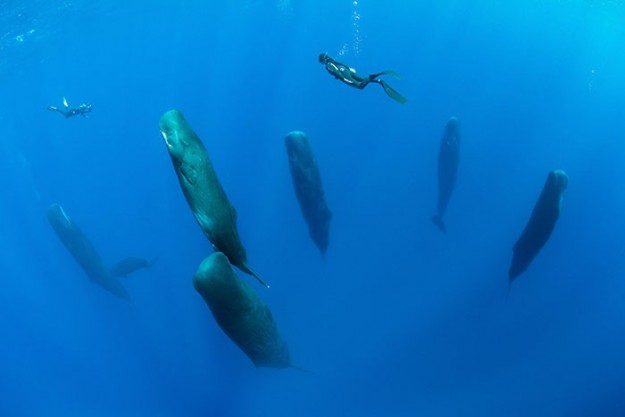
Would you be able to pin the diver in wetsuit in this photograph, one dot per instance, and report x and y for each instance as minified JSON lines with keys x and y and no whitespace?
{"x":348,"y":76}
{"x":83,"y":109}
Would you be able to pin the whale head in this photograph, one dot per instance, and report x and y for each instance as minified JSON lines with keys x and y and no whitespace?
{"x":56,"y":212}
{"x":185,"y":149}
{"x":558,"y":180}
{"x":173,"y":127}
{"x":58,"y":218}
{"x":453,"y":122}
{"x":452,"y":131}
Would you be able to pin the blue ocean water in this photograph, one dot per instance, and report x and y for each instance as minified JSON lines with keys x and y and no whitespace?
{"x":397,"y":319}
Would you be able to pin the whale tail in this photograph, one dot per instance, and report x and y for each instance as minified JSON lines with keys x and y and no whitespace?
{"x":438,"y":221}
{"x":131,"y":264}
{"x":245,"y":268}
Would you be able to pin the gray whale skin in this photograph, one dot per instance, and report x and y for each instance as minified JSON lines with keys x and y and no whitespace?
{"x":308,"y":188}
{"x":83,"y":251}
{"x":540,"y":225}
{"x":240,"y":312}
{"x":448,"y":157}
{"x":201,"y":187}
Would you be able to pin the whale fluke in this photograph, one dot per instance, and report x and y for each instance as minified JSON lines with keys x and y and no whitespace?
{"x":84,"y":252}
{"x":131,"y":264}
{"x":438,"y":221}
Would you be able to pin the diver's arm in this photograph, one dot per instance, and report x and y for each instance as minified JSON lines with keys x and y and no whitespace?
{"x":345,"y":74}
{"x":345,"y":68}
{"x":337,"y":63}
{"x":332,"y":68}
{"x":338,"y":73}
{"x":341,"y":76}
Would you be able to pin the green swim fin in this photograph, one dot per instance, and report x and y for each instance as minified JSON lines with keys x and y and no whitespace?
{"x":391,"y":73}
{"x":392,"y":93}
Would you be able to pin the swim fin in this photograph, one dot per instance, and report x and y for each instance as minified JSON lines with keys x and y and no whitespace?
{"x":391,"y":73}
{"x":392,"y":93}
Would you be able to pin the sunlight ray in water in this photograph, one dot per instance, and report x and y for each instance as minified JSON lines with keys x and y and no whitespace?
{"x":390,"y":229}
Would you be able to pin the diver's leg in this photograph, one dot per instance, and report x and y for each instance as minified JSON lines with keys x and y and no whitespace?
{"x":363,"y":83}
{"x":54,"y":108}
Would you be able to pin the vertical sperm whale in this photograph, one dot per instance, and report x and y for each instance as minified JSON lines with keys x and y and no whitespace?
{"x":240,"y":312}
{"x":203,"y":191}
{"x":83,"y":251}
{"x":308,"y":188}
{"x":448,"y":157}
{"x":540,"y":225}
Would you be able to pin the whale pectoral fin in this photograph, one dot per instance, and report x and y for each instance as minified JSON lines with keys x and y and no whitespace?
{"x":207,"y":225}
{"x":245,"y":268}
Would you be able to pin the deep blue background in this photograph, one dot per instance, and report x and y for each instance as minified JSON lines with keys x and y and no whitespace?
{"x":398,"y":319}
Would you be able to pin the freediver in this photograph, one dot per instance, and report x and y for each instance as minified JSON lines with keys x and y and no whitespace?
{"x":348,"y":75}
{"x":83,"y":109}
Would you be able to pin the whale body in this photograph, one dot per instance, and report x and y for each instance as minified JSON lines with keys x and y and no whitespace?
{"x":203,"y":191}
{"x":240,"y":312}
{"x":448,"y":157}
{"x":540,"y":225}
{"x":308,"y":188}
{"x":83,"y":251}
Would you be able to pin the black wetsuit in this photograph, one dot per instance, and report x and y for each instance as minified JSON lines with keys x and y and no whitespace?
{"x":83,"y":109}
{"x":348,"y":75}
